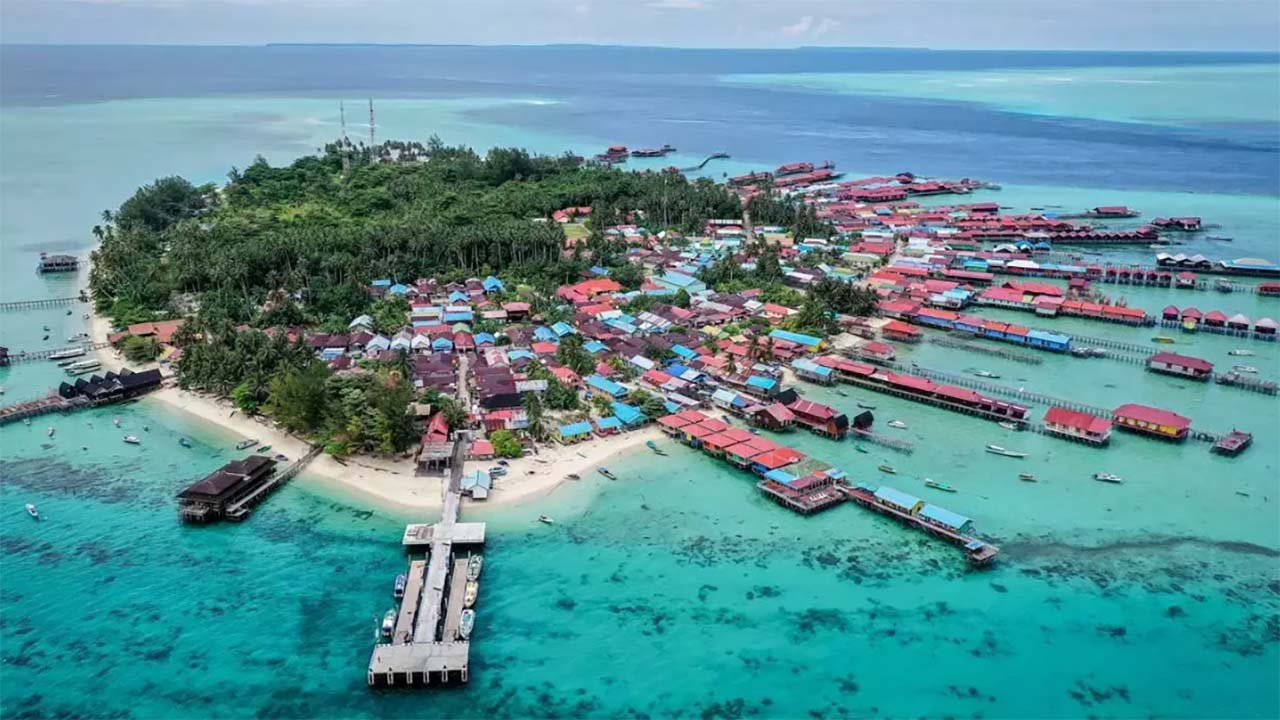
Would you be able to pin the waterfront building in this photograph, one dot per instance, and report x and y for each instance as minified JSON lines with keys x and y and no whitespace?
{"x":1181,"y":365}
{"x":211,"y":497}
{"x":1076,"y":425}
{"x":1152,"y":421}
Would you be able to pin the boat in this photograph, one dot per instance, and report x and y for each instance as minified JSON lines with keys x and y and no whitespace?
{"x":467,"y":623}
{"x":866,"y":406}
{"x":1163,"y":339}
{"x":388,"y":624}
{"x":546,"y":520}
{"x":1026,"y":477}
{"x":1239,"y":352}
{"x":1244,"y":368}
{"x":51,"y":431}
{"x":654,"y":447}
{"x":936,"y":485}
{"x":1107,"y":478}
{"x":1007,"y":425}
{"x":997,"y":450}
{"x":184,"y":442}
{"x":605,"y":472}
{"x":897,"y":424}
{"x":469,"y":598}
{"x":116,"y":421}
{"x":473,"y":567}
{"x":32,"y":511}
{"x":842,"y":393}
{"x":264,"y":448}
{"x":573,"y":476}
{"x":859,"y":448}
{"x":497,"y":471}
{"x":281,"y":457}
{"x":246,"y":444}
{"x":132,"y":439}
{"x":64,"y":354}
{"x":986,"y":374}
{"x":78,"y":337}
{"x":402,"y":580}
{"x":82,"y":367}
{"x":888,"y":469}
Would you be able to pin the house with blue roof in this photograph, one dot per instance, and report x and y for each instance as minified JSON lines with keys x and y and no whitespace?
{"x":485,"y":338}
{"x":599,"y":271}
{"x":1048,"y":340}
{"x":595,"y":346}
{"x":605,"y":385}
{"x":441,"y":344}
{"x":898,"y":500}
{"x":680,"y":281}
{"x":628,"y":415}
{"x":809,"y":341}
{"x":944,"y":518}
{"x":762,"y":385}
{"x":545,"y":334}
{"x":381,"y":283}
{"x":609,"y":425}
{"x":492,"y":284}
{"x":684,"y":352}
{"x":398,"y":289}
{"x":573,"y":432}
{"x":563,"y":328}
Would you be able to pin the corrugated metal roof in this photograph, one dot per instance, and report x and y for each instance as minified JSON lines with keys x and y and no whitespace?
{"x":944,"y":517}
{"x":897,"y":497}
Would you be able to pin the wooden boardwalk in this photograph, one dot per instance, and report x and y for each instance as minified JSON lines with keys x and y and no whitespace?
{"x":455,"y":599}
{"x":240,"y":509}
{"x":30,"y":355}
{"x":38,"y":304}
{"x":405,"y":621}
{"x":34,"y":408}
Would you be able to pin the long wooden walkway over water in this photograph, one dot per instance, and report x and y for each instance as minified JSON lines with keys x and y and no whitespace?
{"x":30,"y":355}
{"x":38,"y":303}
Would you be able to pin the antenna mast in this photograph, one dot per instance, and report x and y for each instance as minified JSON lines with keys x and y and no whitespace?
{"x":345,"y":143}
{"x":371,"y":127}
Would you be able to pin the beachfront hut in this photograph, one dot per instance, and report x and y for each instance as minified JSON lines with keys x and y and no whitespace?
{"x":605,"y":385}
{"x":477,"y":484}
{"x":1238,"y":322}
{"x":573,"y":432}
{"x":629,"y":415}
{"x":608,"y":426}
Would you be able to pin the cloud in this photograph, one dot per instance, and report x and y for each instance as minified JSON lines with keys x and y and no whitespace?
{"x":676,"y":5}
{"x":799,"y":27}
{"x":825,"y":26}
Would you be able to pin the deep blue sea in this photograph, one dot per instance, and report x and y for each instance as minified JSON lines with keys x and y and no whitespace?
{"x":676,"y":591}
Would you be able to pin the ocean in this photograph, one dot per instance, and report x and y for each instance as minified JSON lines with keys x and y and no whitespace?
{"x":677,"y":590}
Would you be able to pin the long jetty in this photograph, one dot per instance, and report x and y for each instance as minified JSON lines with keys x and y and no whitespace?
{"x":1005,"y":353}
{"x":707,"y":159}
{"x":30,"y":355}
{"x":39,"y":303}
{"x":239,"y":510}
{"x":50,"y":403}
{"x":426,"y":647}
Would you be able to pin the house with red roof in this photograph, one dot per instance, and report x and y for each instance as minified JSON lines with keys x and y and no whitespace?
{"x":1075,"y":425}
{"x":1180,"y":365}
{"x":1152,"y":421}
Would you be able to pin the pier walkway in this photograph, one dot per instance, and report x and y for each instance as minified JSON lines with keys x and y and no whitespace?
{"x":902,"y":446}
{"x":431,"y":653}
{"x":38,"y":304}
{"x":34,"y":408}
{"x":1005,"y":353}
{"x":46,"y":354}
{"x":240,"y":509}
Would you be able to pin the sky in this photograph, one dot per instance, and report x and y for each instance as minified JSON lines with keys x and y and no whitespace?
{"x":964,"y":24}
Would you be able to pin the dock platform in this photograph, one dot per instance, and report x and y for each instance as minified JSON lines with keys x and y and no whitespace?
{"x":409,"y":606}
{"x":454,"y":601}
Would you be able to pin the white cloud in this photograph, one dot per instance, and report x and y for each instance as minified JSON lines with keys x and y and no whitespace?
{"x":825,"y":25}
{"x":799,"y":27}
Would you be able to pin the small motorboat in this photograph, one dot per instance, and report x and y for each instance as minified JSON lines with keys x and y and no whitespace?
{"x":605,"y":472}
{"x":281,"y":457}
{"x":116,"y":421}
{"x":46,"y":328}
{"x":654,"y":447}
{"x":264,"y":449}
{"x":860,"y":449}
{"x":546,"y":520}
{"x":473,"y":567}
{"x":986,"y":374}
{"x":402,"y":580}
{"x":51,"y":431}
{"x":888,"y":469}
{"x":246,"y":444}
{"x":184,"y":442}
{"x":1163,"y":339}
{"x":132,"y":439}
{"x":897,"y":424}
{"x":1244,"y":368}
{"x":1026,"y":477}
{"x":573,"y":476}
{"x":1007,"y":425}
{"x":46,"y":337}
{"x":68,"y":312}
{"x":936,"y":485}
{"x":997,"y":450}
{"x":469,"y":596}
{"x":1241,"y":353}
{"x":866,"y":406}
{"x":467,"y":623}
{"x":842,"y":393}
{"x":388,"y":624}
{"x":497,"y":471}
{"x":32,"y":511}
{"x":1107,"y":478}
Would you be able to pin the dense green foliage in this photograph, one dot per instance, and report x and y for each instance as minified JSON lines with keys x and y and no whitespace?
{"x":140,"y":349}
{"x":505,"y":444}
{"x":845,"y":297}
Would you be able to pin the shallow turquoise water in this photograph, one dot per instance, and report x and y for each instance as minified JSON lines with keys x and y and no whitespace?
{"x":675,"y":590}
{"x":1187,"y":95}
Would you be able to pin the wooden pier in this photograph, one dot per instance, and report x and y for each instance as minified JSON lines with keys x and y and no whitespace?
{"x":239,"y":510}
{"x":986,"y":350}
{"x":39,"y":303}
{"x":902,"y":446}
{"x":425,"y":648}
{"x":977,"y":552}
{"x":46,"y":354}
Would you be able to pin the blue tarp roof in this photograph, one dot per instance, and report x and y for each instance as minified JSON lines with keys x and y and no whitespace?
{"x":609,"y":423}
{"x":944,"y":517}
{"x":629,"y":414}
{"x":544,"y":333}
{"x":485,"y":338}
{"x":762,"y":382}
{"x":578,"y":428}
{"x":789,"y":336}
{"x":594,"y":346}
{"x":492,"y":283}
{"x":563,"y":328}
{"x":605,"y":384}
{"x":684,"y":352}
{"x":398,"y":289}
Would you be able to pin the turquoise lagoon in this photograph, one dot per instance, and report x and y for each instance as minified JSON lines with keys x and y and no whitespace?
{"x":676,"y":590}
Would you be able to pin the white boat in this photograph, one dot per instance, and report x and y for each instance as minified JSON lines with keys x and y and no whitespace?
{"x":64,"y":354}
{"x":388,"y":624}
{"x":32,"y":511}
{"x":1244,"y":368}
{"x":545,"y":519}
{"x":1107,"y":478}
{"x":115,"y":421}
{"x":467,"y":623}
{"x":897,"y":424}
{"x":82,"y":367}
{"x":246,"y":444}
{"x":986,"y":374}
{"x":51,"y":431}
{"x":1241,"y":353}
{"x":997,"y":450}
{"x":473,"y":567}
{"x":398,"y":591}
{"x":1007,"y":425}
{"x":469,"y":597}
{"x":132,"y":439}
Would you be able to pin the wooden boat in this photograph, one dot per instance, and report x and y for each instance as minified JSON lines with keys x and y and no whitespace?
{"x":1163,"y":339}
{"x":654,"y":447}
{"x":132,"y":439}
{"x":1026,"y":477}
{"x":860,"y":449}
{"x":469,"y":597}
{"x":473,"y":567}
{"x":264,"y":448}
{"x":997,"y":450}
{"x":888,"y":469}
{"x":866,"y":406}
{"x":397,"y":591}
{"x":467,"y":623}
{"x":938,"y":485}
{"x":897,"y":424}
{"x":605,"y":472}
{"x":573,"y":476}
{"x":546,"y":520}
{"x":246,"y":444}
{"x":32,"y":511}
{"x":1107,"y":478}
